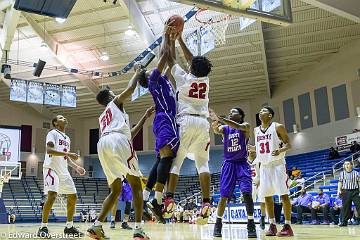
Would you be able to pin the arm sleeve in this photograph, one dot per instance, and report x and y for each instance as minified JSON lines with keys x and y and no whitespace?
{"x":341,"y":177}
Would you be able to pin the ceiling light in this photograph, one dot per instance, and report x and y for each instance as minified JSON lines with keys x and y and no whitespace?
{"x":60,"y":20}
{"x":358,"y":111}
{"x":130,"y":31}
{"x":295,"y":128}
{"x":104,"y":56}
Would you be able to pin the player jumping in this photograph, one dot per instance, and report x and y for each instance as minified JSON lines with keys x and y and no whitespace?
{"x":57,"y":179}
{"x":272,"y":142}
{"x":193,"y":99}
{"x":117,"y":155}
{"x":164,"y":128}
{"x":235,"y":169}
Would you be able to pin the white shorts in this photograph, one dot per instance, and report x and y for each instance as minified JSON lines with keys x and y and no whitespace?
{"x":117,"y":157}
{"x":194,"y":143}
{"x":273,"y":181}
{"x":61,"y":184}
{"x":255,"y":194}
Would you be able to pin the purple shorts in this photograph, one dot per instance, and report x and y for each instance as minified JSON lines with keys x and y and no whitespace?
{"x":166,"y":133}
{"x":126,"y":193}
{"x":233,"y":172}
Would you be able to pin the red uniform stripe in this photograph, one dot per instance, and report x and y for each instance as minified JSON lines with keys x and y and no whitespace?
{"x":52,"y":178}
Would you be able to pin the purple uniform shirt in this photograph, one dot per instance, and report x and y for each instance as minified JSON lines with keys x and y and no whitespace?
{"x":304,"y":200}
{"x":162,"y":93}
{"x":234,"y":145}
{"x":337,"y":202}
{"x":323,"y":199}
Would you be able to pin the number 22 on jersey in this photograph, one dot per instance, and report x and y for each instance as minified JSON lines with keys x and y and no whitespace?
{"x":106,"y":119}
{"x":198,"y":90}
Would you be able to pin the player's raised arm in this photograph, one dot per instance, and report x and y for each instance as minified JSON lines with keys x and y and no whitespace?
{"x":282,"y":133}
{"x":50,"y":149}
{"x":136,"y":129}
{"x":120,"y":99}
{"x":187,"y":53}
{"x":216,"y":125}
{"x":245,"y":127}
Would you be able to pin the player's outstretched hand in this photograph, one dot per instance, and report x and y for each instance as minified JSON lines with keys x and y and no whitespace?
{"x":137,"y":66}
{"x":213,"y":115}
{"x":150,"y":111}
{"x":80,"y":170}
{"x":73,"y":156}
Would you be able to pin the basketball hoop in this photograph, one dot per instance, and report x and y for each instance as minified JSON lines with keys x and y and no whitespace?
{"x":216,"y":22}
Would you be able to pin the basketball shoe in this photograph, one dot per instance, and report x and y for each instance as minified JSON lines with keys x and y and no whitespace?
{"x":272,"y":230}
{"x":169,"y":205}
{"x":73,"y":231}
{"x":112,"y":224}
{"x":125,"y":225}
{"x":146,"y":214}
{"x":251,"y":228}
{"x":139,"y":234}
{"x":204,"y":214}
{"x":97,"y":232}
{"x":43,"y":233}
{"x":156,"y":210}
{"x":286,"y":231}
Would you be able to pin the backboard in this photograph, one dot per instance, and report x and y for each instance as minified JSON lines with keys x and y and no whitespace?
{"x":11,"y":170}
{"x":272,"y":11}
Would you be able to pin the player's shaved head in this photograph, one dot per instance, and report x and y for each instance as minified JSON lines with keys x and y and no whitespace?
{"x":200,"y":66}
{"x":59,"y":118}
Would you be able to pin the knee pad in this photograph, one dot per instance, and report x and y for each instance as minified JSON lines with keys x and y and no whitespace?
{"x":164,"y":169}
{"x":202,"y":166}
{"x":249,"y":204}
{"x":127,"y":208}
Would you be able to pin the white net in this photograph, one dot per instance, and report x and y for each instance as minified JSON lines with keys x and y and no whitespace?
{"x":217,"y":23}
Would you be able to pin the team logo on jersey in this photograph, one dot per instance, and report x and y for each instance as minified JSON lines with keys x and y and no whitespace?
{"x":264,"y":137}
{"x":63,"y":143}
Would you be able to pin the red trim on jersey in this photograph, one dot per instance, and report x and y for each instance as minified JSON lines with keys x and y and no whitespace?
{"x":52,"y":178}
{"x":207,"y":146}
{"x":132,"y":154}
{"x":287,"y":177}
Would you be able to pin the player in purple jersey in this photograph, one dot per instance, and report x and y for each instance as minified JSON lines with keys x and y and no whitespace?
{"x":235,"y":168}
{"x":125,"y":196}
{"x":165,"y":129}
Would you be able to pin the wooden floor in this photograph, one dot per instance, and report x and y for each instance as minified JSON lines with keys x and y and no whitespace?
{"x":188,"y":232}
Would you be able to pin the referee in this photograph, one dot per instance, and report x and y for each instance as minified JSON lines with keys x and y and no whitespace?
{"x":348,"y":190}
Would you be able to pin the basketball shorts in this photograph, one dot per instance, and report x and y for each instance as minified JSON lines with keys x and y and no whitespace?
{"x":232,"y":173}
{"x":126,"y":193}
{"x":61,"y":184}
{"x":117,"y":157}
{"x":273,"y":180}
{"x":194,"y":143}
{"x":166,"y":133}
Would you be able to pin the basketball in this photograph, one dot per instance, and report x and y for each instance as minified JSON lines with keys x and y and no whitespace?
{"x":177,"y":22}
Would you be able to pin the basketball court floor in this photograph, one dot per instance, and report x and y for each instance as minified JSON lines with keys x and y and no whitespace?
{"x":181,"y":231}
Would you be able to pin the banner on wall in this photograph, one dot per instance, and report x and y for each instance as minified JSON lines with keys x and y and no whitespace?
{"x":10,"y":144}
{"x":344,"y":142}
{"x":237,"y":214}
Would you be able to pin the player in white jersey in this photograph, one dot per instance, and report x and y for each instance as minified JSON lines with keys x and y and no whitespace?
{"x":117,"y":156}
{"x":272,"y":142}
{"x":192,"y":105}
{"x":57,"y":179}
{"x":255,"y":174}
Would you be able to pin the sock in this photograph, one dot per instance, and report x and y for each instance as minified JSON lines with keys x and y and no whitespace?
{"x":218,"y":220}
{"x":146,"y":195}
{"x":217,"y":216}
{"x":137,"y":225}
{"x":113,"y":218}
{"x":287,"y":222}
{"x":272,"y":220}
{"x":97,"y":223}
{"x":170,"y":195}
{"x":44,"y":225}
{"x":250,"y":217}
{"x":69,"y":224}
{"x":158,"y":197}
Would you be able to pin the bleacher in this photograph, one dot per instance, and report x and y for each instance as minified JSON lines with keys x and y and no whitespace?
{"x":25,"y":197}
